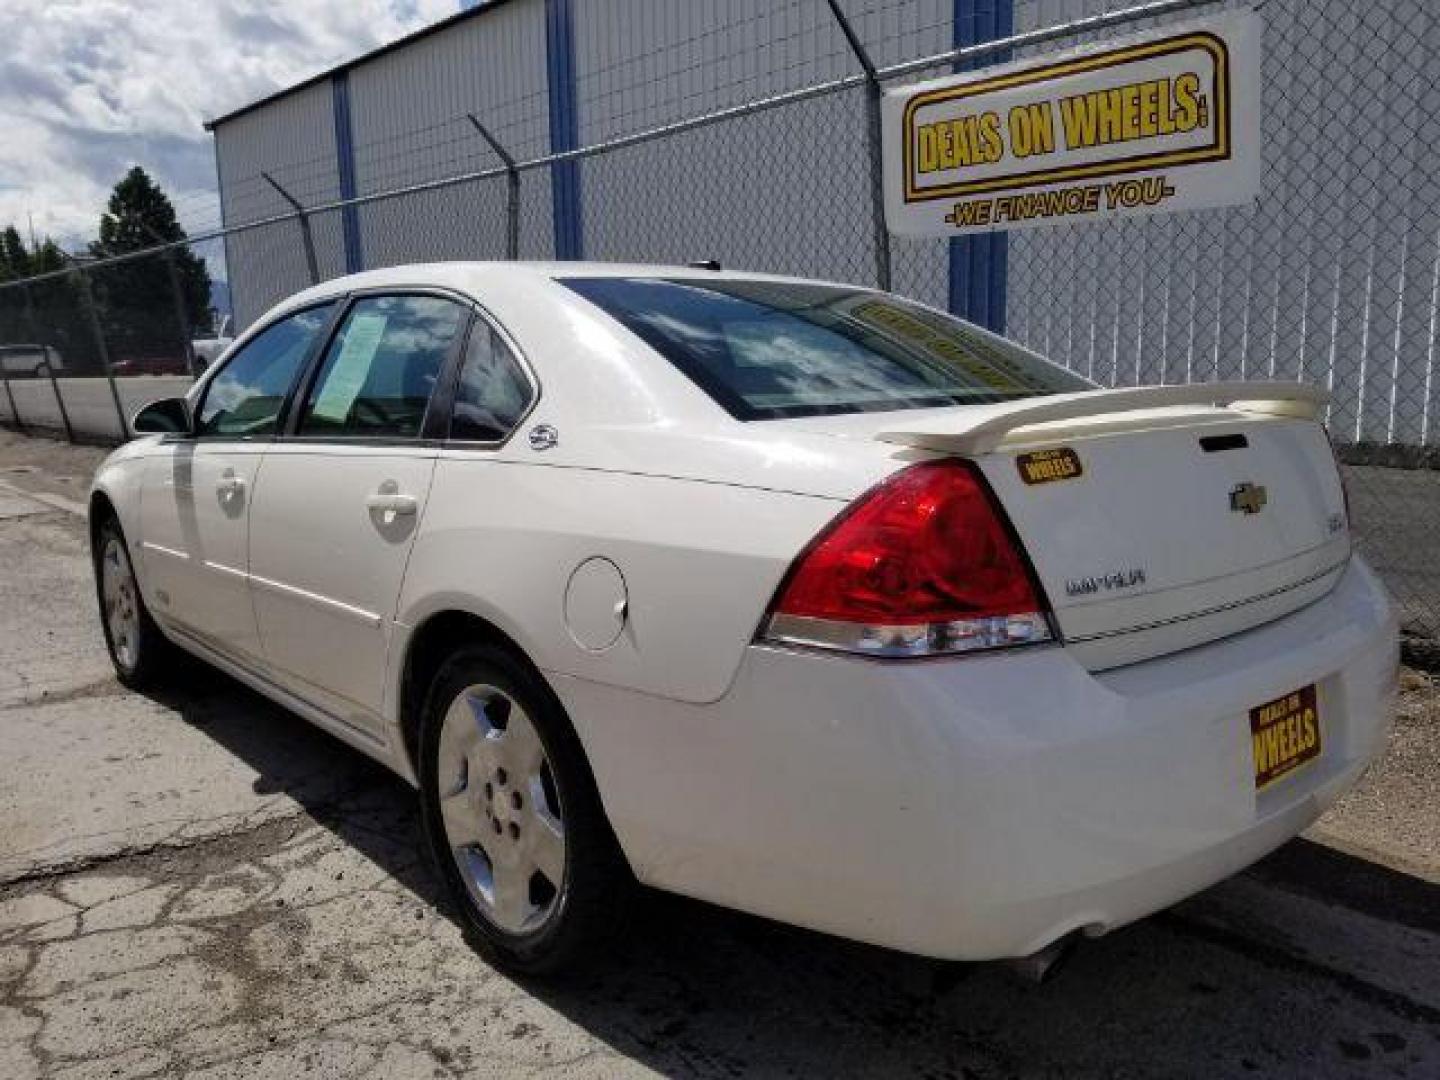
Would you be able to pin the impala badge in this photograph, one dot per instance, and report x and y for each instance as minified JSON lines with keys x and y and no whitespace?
{"x":1128,"y":577}
{"x":1248,"y":498}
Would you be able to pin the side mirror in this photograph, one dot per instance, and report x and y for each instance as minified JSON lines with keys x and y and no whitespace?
{"x":168,"y":416}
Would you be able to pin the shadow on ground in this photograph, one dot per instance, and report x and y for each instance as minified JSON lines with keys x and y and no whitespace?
{"x":693,"y":990}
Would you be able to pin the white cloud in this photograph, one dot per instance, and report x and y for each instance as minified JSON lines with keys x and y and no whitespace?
{"x":90,"y":87}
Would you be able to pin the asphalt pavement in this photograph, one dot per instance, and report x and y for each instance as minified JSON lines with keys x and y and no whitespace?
{"x":197,"y":884}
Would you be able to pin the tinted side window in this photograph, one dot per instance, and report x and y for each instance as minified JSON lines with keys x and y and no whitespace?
{"x":493,"y":393}
{"x":381,"y":368}
{"x":246,"y":396}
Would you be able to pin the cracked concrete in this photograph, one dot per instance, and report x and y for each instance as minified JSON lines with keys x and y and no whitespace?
{"x":199,"y":885}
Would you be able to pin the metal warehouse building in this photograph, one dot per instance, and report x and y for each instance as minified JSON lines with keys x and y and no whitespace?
{"x":550,"y":75}
{"x":1332,"y":276}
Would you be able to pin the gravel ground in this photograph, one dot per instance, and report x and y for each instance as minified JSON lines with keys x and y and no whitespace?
{"x":1393,"y":815}
{"x":198,"y":884}
{"x":1396,"y":516}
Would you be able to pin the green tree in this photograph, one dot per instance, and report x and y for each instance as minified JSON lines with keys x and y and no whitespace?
{"x":14,"y":259}
{"x":47,"y":312}
{"x":46,"y":258}
{"x":136,"y":297}
{"x":14,"y":263}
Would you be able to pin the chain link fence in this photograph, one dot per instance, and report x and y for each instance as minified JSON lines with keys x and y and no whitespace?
{"x":1331,"y":276}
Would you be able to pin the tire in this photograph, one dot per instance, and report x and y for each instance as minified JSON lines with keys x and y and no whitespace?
{"x":140,"y":652}
{"x":491,"y":816}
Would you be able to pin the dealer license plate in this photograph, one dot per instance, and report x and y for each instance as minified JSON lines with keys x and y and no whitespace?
{"x":1285,"y":734}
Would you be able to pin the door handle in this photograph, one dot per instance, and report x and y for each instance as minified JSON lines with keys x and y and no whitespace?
{"x":389,"y":502}
{"x":230,"y":485}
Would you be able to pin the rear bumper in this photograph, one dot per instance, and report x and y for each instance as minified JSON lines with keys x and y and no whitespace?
{"x":983,"y":807}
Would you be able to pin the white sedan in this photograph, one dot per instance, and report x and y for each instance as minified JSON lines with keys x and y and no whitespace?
{"x":802,"y":598}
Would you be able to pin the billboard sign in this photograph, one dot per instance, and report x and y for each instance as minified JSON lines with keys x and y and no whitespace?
{"x":1166,"y":121}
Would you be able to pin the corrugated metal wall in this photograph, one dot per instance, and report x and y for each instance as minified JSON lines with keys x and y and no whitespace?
{"x":1333,"y":275}
{"x":787,"y":190}
{"x":641,"y":63}
{"x":293,"y":139}
{"x":409,"y":107}
{"x":637,"y":63}
{"x":407,"y":112}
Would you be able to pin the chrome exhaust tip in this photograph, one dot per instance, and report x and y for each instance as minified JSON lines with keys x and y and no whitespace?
{"x":1041,"y":967}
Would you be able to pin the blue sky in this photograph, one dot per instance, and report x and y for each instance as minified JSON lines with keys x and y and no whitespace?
{"x":90,"y":87}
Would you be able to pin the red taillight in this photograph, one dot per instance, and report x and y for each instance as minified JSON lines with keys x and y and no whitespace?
{"x":922,"y":565}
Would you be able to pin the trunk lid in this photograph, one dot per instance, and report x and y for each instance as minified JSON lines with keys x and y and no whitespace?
{"x":1160,"y":544}
{"x":1155,"y":519}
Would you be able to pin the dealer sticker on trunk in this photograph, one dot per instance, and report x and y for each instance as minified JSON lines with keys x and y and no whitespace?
{"x":1285,"y":734}
{"x":1047,"y":466}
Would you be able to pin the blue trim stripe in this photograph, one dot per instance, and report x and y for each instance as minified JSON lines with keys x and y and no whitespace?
{"x":564,"y":129}
{"x":345,"y":166}
{"x":979,"y":262}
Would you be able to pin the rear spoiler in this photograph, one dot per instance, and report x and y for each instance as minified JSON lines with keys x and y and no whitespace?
{"x":994,"y":422}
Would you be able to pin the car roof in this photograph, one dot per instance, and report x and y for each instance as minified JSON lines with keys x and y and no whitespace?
{"x":466,"y":276}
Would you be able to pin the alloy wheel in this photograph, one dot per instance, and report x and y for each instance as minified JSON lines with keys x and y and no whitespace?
{"x":121,"y":602}
{"x":501,"y":809}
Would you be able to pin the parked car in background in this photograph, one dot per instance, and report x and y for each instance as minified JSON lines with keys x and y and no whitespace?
{"x":29,"y":360}
{"x":798,"y":597}
{"x":208,"y":350}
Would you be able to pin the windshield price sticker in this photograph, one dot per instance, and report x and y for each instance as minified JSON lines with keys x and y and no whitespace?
{"x":1167,"y":121}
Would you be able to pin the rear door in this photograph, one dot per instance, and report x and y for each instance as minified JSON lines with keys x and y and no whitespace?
{"x":198,"y":490}
{"x":341,"y":496}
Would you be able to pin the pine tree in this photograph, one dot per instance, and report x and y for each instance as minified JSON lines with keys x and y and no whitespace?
{"x":14,"y":259}
{"x":46,"y":258}
{"x":13,"y":264}
{"x":46,"y":312}
{"x":136,"y":297}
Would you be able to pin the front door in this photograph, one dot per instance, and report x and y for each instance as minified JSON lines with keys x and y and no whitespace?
{"x":194,"y":510}
{"x":339,"y":502}
{"x":199,"y":489}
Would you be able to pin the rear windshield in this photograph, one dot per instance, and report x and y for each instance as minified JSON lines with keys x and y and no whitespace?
{"x":767,"y":350}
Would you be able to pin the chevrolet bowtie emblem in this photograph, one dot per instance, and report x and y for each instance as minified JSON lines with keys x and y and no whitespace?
{"x":1248,"y":498}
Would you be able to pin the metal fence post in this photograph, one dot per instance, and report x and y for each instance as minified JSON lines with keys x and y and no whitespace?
{"x":10,"y":395}
{"x":877,"y":164}
{"x":49,"y":368}
{"x":92,"y":314}
{"x":304,"y":218}
{"x":512,"y":190}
